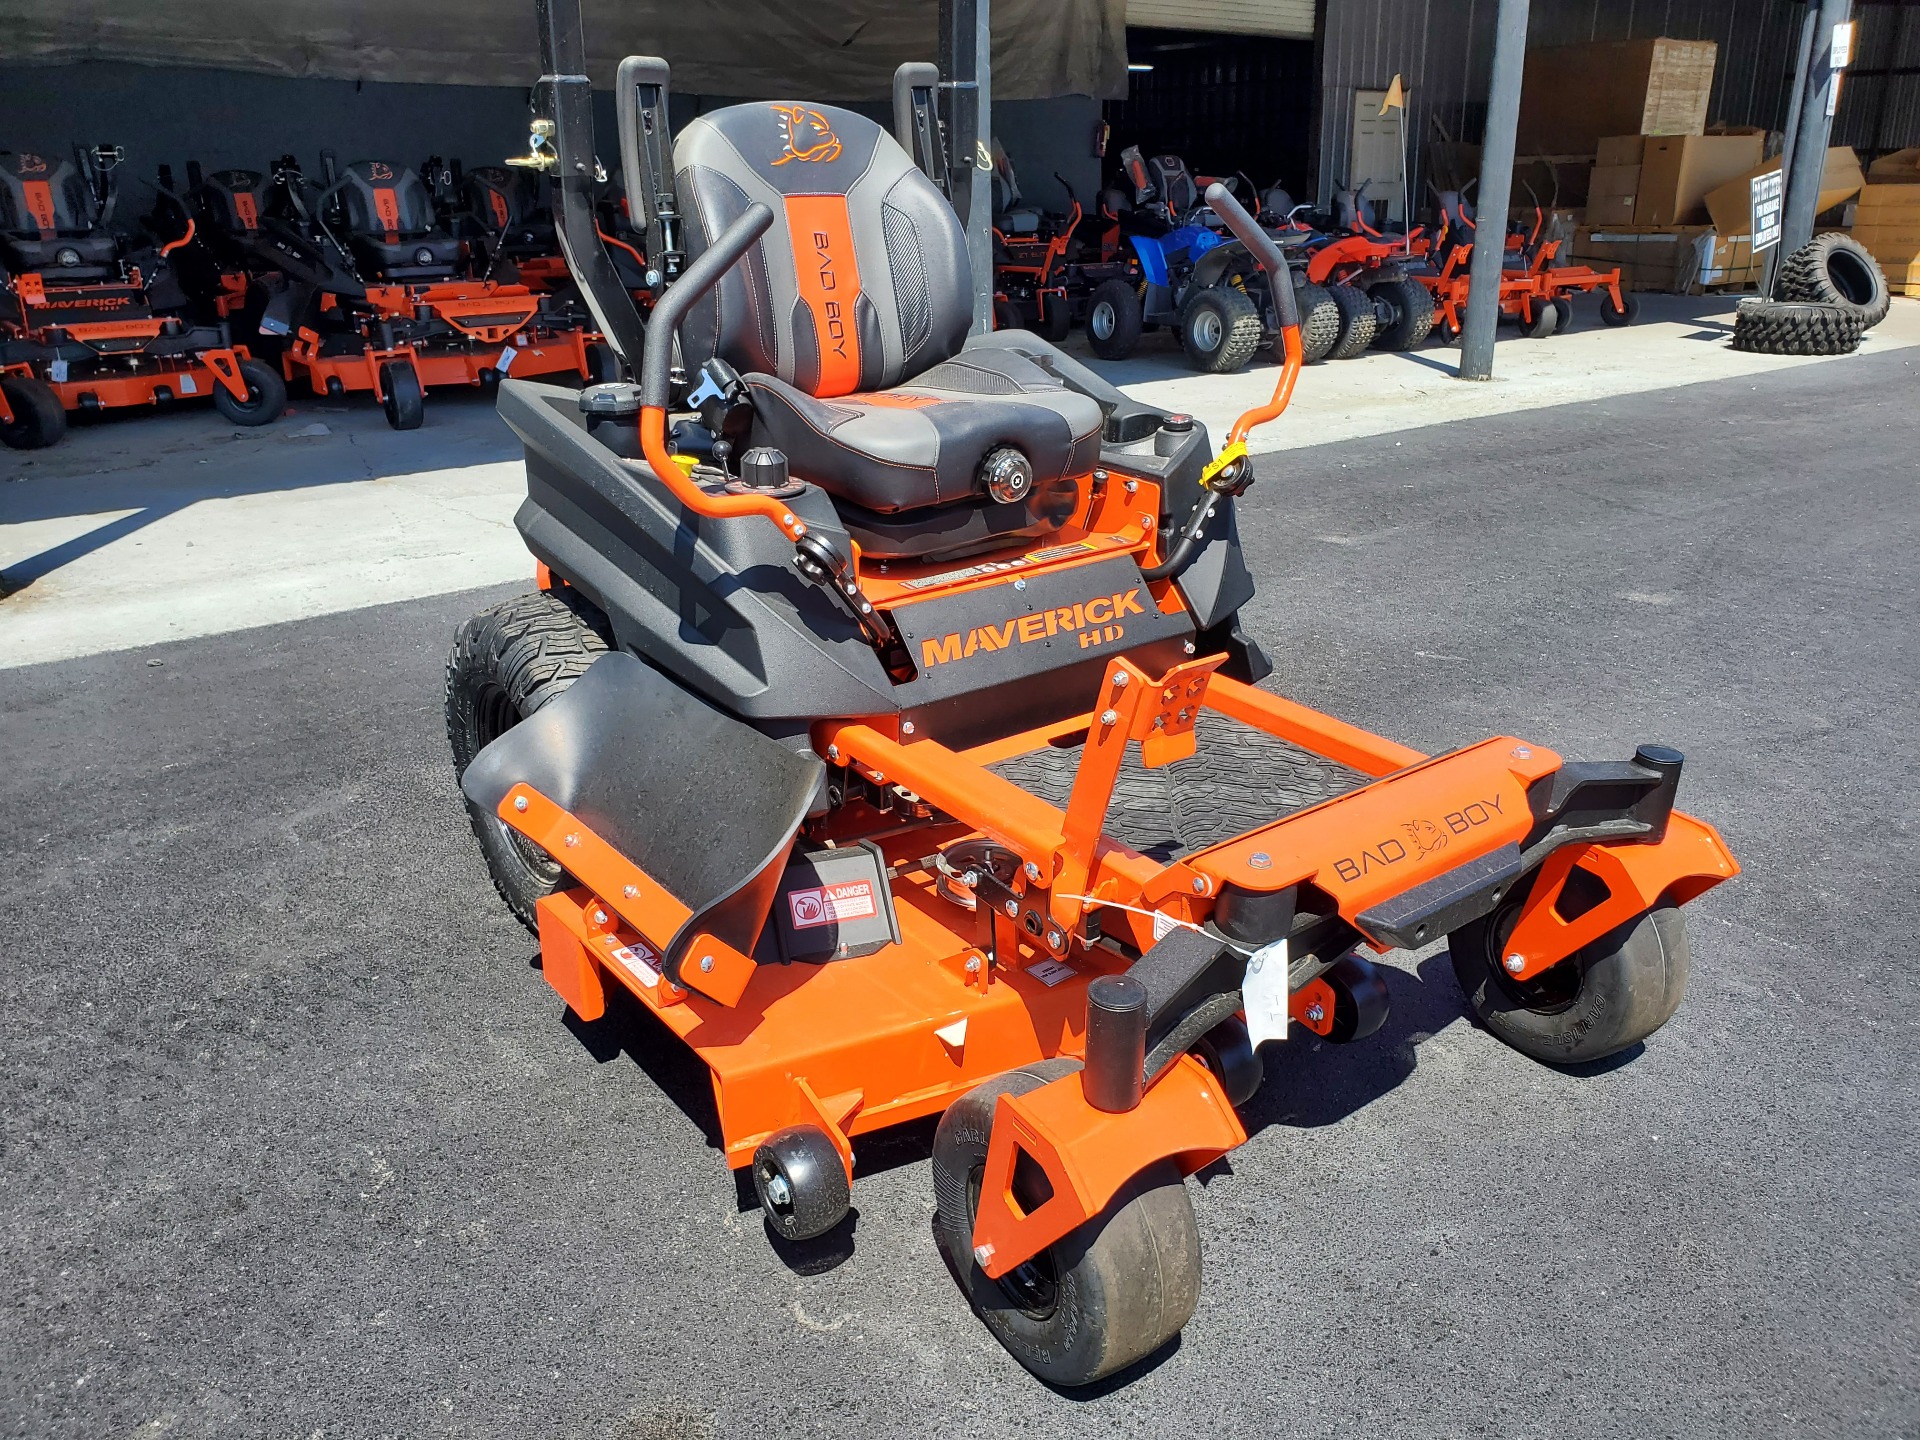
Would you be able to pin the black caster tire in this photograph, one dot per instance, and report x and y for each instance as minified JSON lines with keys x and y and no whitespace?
{"x":603,"y":364}
{"x":1563,"y":313}
{"x":1007,"y":316}
{"x":39,"y":419}
{"x":1595,"y":1003}
{"x":1545,"y":318}
{"x":1448,"y":332}
{"x":266,"y":395}
{"x":403,"y":400}
{"x":1360,"y":1000}
{"x":506,"y":663}
{"x":1227,"y":1051}
{"x":1623,"y":314}
{"x":1055,"y":322}
{"x":1112,"y":1292}
{"x":1113,"y":319}
{"x":801,"y":1182}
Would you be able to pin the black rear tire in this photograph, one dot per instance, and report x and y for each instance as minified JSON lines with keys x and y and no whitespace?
{"x":1113,"y":319}
{"x":1780,"y":327}
{"x":266,"y":395}
{"x":1595,"y":1003}
{"x":39,"y":419}
{"x":1836,"y":269}
{"x":1112,"y":1292}
{"x":1409,"y":307}
{"x":1319,"y":324}
{"x":506,"y":663}
{"x":403,"y":400}
{"x":1624,"y":313}
{"x":1219,"y":329}
{"x":1357,"y":322}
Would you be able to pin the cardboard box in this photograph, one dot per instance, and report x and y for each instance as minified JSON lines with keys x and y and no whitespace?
{"x":1887,"y":222}
{"x":1616,"y":150}
{"x":1610,"y":194}
{"x":1900,"y":168}
{"x":1731,"y":205}
{"x":1678,"y":171}
{"x":1573,"y":95}
{"x":1728,"y":260}
{"x":1661,"y":257}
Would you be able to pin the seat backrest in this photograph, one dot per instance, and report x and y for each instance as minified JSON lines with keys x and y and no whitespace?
{"x":1175,"y":185}
{"x":234,"y":200}
{"x":386,"y":199}
{"x":500,"y":198}
{"x":43,"y":197}
{"x":862,"y":280}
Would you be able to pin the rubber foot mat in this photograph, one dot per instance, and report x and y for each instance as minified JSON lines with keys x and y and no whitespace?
{"x":1237,"y":780}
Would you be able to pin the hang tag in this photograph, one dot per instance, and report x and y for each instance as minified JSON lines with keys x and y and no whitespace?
{"x":1266,"y":992}
{"x":505,"y":362}
{"x":187,"y":387}
{"x":57,"y":372}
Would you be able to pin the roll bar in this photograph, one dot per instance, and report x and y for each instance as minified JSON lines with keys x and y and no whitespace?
{"x":656,"y":369}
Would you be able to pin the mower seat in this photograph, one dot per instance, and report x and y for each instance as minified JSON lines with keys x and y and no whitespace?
{"x":1175,"y":184}
{"x":847,"y":322}
{"x":234,"y":200}
{"x":506,"y":203}
{"x":47,"y":221}
{"x":391,"y":224}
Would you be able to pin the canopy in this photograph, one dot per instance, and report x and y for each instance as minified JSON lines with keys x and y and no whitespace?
{"x":820,"y":49}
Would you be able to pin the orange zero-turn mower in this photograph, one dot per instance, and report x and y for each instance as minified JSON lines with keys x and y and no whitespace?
{"x":903,"y":761}
{"x":420,"y":319}
{"x":87,"y":320}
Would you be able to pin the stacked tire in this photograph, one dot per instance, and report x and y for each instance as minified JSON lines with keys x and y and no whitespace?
{"x":1832,"y":291}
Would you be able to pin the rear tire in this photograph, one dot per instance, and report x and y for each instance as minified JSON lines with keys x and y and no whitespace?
{"x":1595,"y":1003}
{"x":1113,"y":319}
{"x":1319,"y":324}
{"x":404,"y":402}
{"x":1410,"y":307}
{"x":1219,"y":329}
{"x":39,"y":419}
{"x":1357,"y":322}
{"x":1779,"y":327}
{"x":1113,"y":1291}
{"x":1837,"y":270}
{"x":506,"y":663}
{"x":266,"y":395}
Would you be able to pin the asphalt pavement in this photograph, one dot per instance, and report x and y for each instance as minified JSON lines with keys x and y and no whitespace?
{"x":298,"y":1143}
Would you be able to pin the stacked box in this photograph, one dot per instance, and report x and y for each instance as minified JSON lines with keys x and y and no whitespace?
{"x":1573,"y":95}
{"x":1888,"y":224}
{"x":1677,"y":173}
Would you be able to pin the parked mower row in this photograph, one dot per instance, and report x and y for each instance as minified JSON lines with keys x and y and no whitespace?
{"x":372,"y":280}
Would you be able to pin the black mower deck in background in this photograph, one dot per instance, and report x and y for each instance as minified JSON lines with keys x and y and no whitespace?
{"x":293,"y":1145}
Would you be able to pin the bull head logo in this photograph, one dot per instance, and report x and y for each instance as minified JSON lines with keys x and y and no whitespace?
{"x":806,"y":135}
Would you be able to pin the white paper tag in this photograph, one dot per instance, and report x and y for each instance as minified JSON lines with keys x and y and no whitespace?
{"x":187,"y":387}
{"x":1266,"y":992}
{"x":505,"y":362}
{"x":1051,"y":972}
{"x":640,"y":961}
{"x":57,"y":372}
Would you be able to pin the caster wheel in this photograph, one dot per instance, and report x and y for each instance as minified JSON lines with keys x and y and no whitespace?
{"x":266,"y":395}
{"x":1545,"y":318}
{"x":602,"y":364}
{"x":404,"y":402}
{"x":1094,"y":1301}
{"x":801,"y":1183}
{"x":1623,"y":314}
{"x":1360,"y":1001}
{"x":1057,"y":323}
{"x":1227,"y":1050}
{"x":1563,"y":312}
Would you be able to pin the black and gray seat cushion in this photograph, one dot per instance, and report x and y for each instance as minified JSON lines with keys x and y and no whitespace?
{"x":392,"y":224}
{"x":846,"y":317}
{"x":48,"y":220}
{"x":921,"y":443}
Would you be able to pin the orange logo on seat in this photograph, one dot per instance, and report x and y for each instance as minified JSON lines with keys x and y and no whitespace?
{"x":32,"y":165}
{"x":378,"y":170}
{"x":806,"y":134}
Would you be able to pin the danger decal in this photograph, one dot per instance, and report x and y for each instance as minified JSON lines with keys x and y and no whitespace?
{"x":830,"y":904}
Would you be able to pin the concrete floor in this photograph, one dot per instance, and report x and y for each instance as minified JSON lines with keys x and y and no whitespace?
{"x":160,"y":528}
{"x":297,"y":1142}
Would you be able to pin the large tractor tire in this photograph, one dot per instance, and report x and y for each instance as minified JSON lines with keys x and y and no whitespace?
{"x":507,"y":662}
{"x":1319,"y":323}
{"x":1781,"y":327}
{"x":1357,"y":322}
{"x":1219,"y":329}
{"x":1407,"y":306}
{"x":1837,"y":270}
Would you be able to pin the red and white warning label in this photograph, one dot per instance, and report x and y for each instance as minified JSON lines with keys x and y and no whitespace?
{"x":830,"y":904}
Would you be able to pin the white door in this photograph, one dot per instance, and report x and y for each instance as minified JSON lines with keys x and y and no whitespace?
{"x":1378,"y":154}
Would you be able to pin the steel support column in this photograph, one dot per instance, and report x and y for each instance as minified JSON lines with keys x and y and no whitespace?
{"x":966,"y":65}
{"x":1807,"y":163}
{"x":1496,"y":191}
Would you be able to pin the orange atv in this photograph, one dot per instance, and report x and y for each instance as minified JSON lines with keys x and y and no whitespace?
{"x":887,"y":730}
{"x":90,"y":321}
